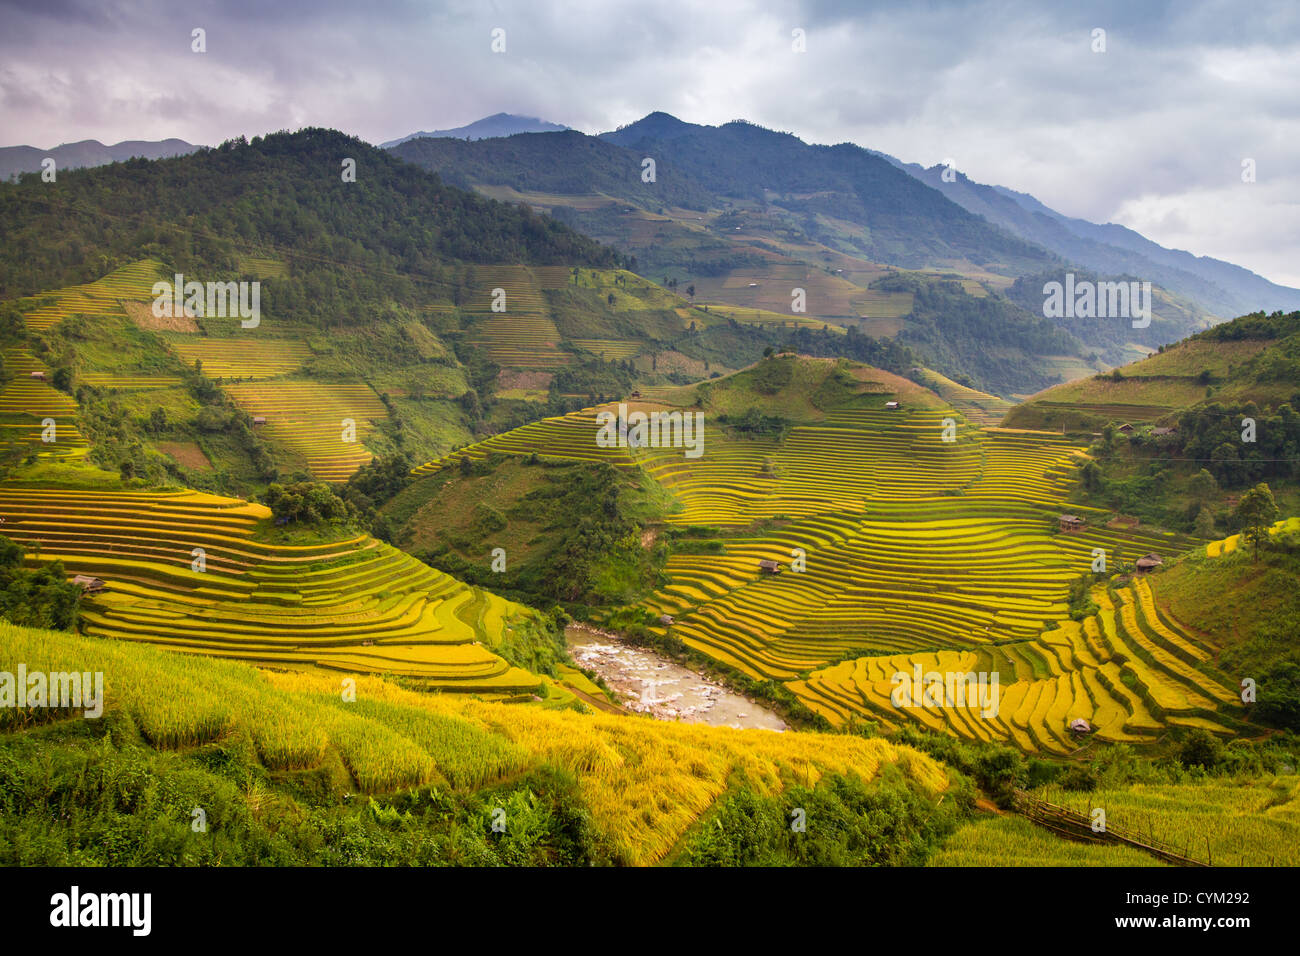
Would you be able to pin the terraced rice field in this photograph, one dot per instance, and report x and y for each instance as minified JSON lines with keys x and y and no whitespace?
{"x":1014,"y":841}
{"x":1241,"y":822}
{"x":101,"y":297}
{"x":307,"y":418}
{"x":980,"y":407}
{"x":611,"y":350}
{"x":914,"y":551}
{"x":874,"y":304}
{"x":356,"y":605}
{"x":1216,"y":549}
{"x":241,"y":357}
{"x":517,"y":340}
{"x":111,"y":380}
{"x":26,"y":403}
{"x":523,"y":335}
{"x":1129,"y":672}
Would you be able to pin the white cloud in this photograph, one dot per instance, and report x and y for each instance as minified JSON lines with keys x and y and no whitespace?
{"x":1149,"y":134}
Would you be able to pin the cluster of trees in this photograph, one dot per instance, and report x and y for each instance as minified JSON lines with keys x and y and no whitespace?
{"x":1213,"y":434}
{"x":754,"y":424}
{"x":990,"y":341}
{"x":43,"y":597}
{"x":1108,"y":335}
{"x":282,"y":193}
{"x":308,"y":503}
{"x":588,"y":554}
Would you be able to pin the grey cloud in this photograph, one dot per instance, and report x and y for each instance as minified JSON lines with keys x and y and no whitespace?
{"x":1009,"y":89}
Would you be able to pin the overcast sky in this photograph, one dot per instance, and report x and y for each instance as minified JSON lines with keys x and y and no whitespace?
{"x":1151,"y":133}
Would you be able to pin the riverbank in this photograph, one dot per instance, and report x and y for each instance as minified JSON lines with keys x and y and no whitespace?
{"x":650,"y":683}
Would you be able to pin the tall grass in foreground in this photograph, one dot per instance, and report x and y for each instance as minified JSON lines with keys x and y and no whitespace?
{"x":644,"y":782}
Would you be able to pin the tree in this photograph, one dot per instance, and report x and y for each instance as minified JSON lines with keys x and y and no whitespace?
{"x":1204,"y":524}
{"x":1203,"y":487}
{"x":1227,"y":462}
{"x":1091,"y":475}
{"x":1257,"y":511}
{"x":1279,"y":695}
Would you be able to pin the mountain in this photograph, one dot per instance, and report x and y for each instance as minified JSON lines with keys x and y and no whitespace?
{"x":896,"y":222}
{"x":1251,"y":359}
{"x":566,"y":163}
{"x":747,"y":220}
{"x":88,"y":152}
{"x":1217,"y":287}
{"x":490,"y":127}
{"x":395,"y":223}
{"x":377,"y":306}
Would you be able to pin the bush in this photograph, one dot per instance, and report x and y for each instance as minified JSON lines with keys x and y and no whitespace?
{"x":43,"y":597}
{"x":1200,"y":748}
{"x":308,"y":502}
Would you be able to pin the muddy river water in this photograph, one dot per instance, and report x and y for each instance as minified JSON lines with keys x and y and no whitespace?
{"x":648,"y":683}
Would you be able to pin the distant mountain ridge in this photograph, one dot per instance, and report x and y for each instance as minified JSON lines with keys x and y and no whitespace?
{"x":489,"y":127}
{"x":906,"y":223}
{"x":1220,"y":287}
{"x":86,"y":153}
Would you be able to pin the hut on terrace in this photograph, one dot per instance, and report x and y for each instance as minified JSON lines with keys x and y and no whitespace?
{"x":666,"y":620}
{"x":259,"y":419}
{"x":1149,"y":561}
{"x":769,"y":567}
{"x":1071,"y":523}
{"x":1126,"y":428}
{"x":38,"y":375}
{"x":88,"y":584}
{"x":893,"y":406}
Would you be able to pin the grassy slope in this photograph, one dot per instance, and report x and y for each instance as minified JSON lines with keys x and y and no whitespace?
{"x":277,"y":760}
{"x":1014,"y":841}
{"x":1252,"y":608}
{"x":1203,"y":368}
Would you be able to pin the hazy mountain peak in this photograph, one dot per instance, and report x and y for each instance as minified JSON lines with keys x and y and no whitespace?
{"x":489,"y":127}
{"x":87,"y":152}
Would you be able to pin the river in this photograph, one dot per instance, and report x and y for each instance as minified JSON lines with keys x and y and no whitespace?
{"x":649,"y":683}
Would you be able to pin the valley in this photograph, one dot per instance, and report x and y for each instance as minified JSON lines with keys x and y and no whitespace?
{"x":530,"y":493}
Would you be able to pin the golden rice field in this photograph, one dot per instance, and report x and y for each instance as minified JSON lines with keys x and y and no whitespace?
{"x":1129,"y":671}
{"x":610,"y":350}
{"x":980,"y":407}
{"x":914,"y":550}
{"x":242,"y":357}
{"x":27,"y":404}
{"x":111,"y":380}
{"x":644,"y":782}
{"x":104,"y":296}
{"x":521,"y":336}
{"x":1216,"y":549}
{"x":1014,"y":841}
{"x":308,"y":418}
{"x":1241,"y":821}
{"x":185,"y":570}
